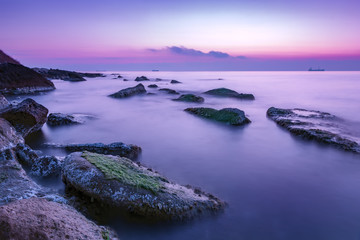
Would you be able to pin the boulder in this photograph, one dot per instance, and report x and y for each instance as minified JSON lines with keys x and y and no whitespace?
{"x":189,"y":98}
{"x":58,"y":119}
{"x":175,"y":81}
{"x":117,"y":148}
{"x":18,"y":79}
{"x":315,"y":125}
{"x":3,"y":102}
{"x":168,"y":90}
{"x":128,"y":92}
{"x":38,"y":218}
{"x":123,"y":184}
{"x":142,"y":78}
{"x":27,"y":116}
{"x":231,"y":116}
{"x":225,"y":92}
{"x":152,"y":86}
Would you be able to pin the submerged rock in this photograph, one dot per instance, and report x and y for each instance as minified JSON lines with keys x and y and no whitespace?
{"x":117,"y":148}
{"x":175,"y":81}
{"x":124,"y":184}
{"x":225,"y":92}
{"x":18,"y":79}
{"x":152,"y":86}
{"x":232,"y":116}
{"x":27,"y":116}
{"x":315,"y":125}
{"x":57,"y":119}
{"x":128,"y":92}
{"x":38,"y":218}
{"x":142,"y":78}
{"x":189,"y":98}
{"x":168,"y":90}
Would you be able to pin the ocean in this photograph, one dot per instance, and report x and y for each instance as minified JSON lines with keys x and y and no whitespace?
{"x":277,"y":186}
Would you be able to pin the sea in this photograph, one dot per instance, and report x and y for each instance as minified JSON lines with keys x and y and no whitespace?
{"x":276,"y":185}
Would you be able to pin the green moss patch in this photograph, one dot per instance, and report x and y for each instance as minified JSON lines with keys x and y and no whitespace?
{"x":125,"y":171}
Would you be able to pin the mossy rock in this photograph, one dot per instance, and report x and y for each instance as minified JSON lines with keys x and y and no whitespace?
{"x":189,"y":98}
{"x":225,"y":92}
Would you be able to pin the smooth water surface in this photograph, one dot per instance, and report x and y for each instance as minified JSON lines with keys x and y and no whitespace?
{"x":277,"y":186}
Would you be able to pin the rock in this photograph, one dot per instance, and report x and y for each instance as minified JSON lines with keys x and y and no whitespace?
{"x":142,"y":78}
{"x":27,"y":116}
{"x":4,"y":58}
{"x":3,"y":102}
{"x":38,"y":218}
{"x":9,"y":138}
{"x":125,"y":80}
{"x":124,"y":184}
{"x":128,"y":92}
{"x":168,"y":90}
{"x":189,"y":98}
{"x":18,"y":79}
{"x":225,"y":92}
{"x":66,"y":75}
{"x":57,"y":119}
{"x":232,"y":116}
{"x":119,"y":76}
{"x":158,"y":79}
{"x":117,"y":148}
{"x":152,"y":86}
{"x":175,"y":81}
{"x":315,"y":125}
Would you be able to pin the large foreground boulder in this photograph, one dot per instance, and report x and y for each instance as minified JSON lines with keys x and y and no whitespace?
{"x":27,"y":116}
{"x":39,"y":219}
{"x":128,"y":92}
{"x":189,"y":98}
{"x":231,"y":116}
{"x":225,"y":92}
{"x":123,"y":184}
{"x":315,"y":125}
{"x":18,"y":79}
{"x":117,"y":148}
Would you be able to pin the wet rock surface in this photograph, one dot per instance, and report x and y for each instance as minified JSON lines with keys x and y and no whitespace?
{"x":3,"y":102}
{"x":37,"y":218}
{"x":18,"y":79}
{"x":141,"y":79}
{"x":27,"y":116}
{"x":59,"y":119}
{"x":152,"y":86}
{"x":225,"y":92}
{"x":315,"y":125}
{"x":121,"y":183}
{"x":117,"y":148}
{"x":128,"y":92}
{"x":189,"y":98}
{"x":231,"y":116}
{"x":168,"y":90}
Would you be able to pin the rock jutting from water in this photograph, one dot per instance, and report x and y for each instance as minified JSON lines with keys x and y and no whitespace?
{"x":128,"y":92}
{"x":66,"y":75}
{"x":315,"y":125}
{"x":231,"y":116}
{"x":117,"y":148}
{"x":58,"y":119}
{"x":142,"y":78}
{"x":175,"y":81}
{"x":121,"y":183}
{"x":225,"y":92}
{"x":18,"y":79}
{"x":189,"y":98}
{"x":152,"y":86}
{"x":38,"y":218}
{"x":27,"y":116}
{"x":168,"y":90}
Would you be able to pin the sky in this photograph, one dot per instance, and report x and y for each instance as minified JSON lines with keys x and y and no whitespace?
{"x":182,"y":35}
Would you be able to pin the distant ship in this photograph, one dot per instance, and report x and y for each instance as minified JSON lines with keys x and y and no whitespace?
{"x":155,"y":70}
{"x":317,"y":69}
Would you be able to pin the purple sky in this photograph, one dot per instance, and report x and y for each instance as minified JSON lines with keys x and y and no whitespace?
{"x":182,"y":35}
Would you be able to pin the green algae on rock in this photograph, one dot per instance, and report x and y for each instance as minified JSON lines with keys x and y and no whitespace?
{"x":232,"y":116}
